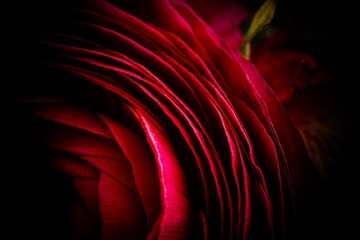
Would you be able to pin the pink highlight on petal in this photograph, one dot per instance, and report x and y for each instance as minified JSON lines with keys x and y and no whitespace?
{"x":143,"y":165}
{"x":161,"y":62}
{"x":174,"y":221}
{"x":202,"y":226}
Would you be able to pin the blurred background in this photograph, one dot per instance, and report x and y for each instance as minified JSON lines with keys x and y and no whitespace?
{"x":325,"y":30}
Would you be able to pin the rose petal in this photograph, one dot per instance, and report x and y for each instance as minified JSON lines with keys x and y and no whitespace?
{"x":121,"y":211}
{"x":143,"y":165}
{"x":175,"y":217}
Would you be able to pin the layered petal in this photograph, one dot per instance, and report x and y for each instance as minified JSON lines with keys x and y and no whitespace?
{"x":162,"y":129}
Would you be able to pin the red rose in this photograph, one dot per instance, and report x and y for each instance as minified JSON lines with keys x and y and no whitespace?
{"x":139,"y":122}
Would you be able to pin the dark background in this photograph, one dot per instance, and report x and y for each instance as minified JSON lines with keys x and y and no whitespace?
{"x":326,"y":29}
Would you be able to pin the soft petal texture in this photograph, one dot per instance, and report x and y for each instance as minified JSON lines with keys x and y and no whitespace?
{"x":160,"y":130}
